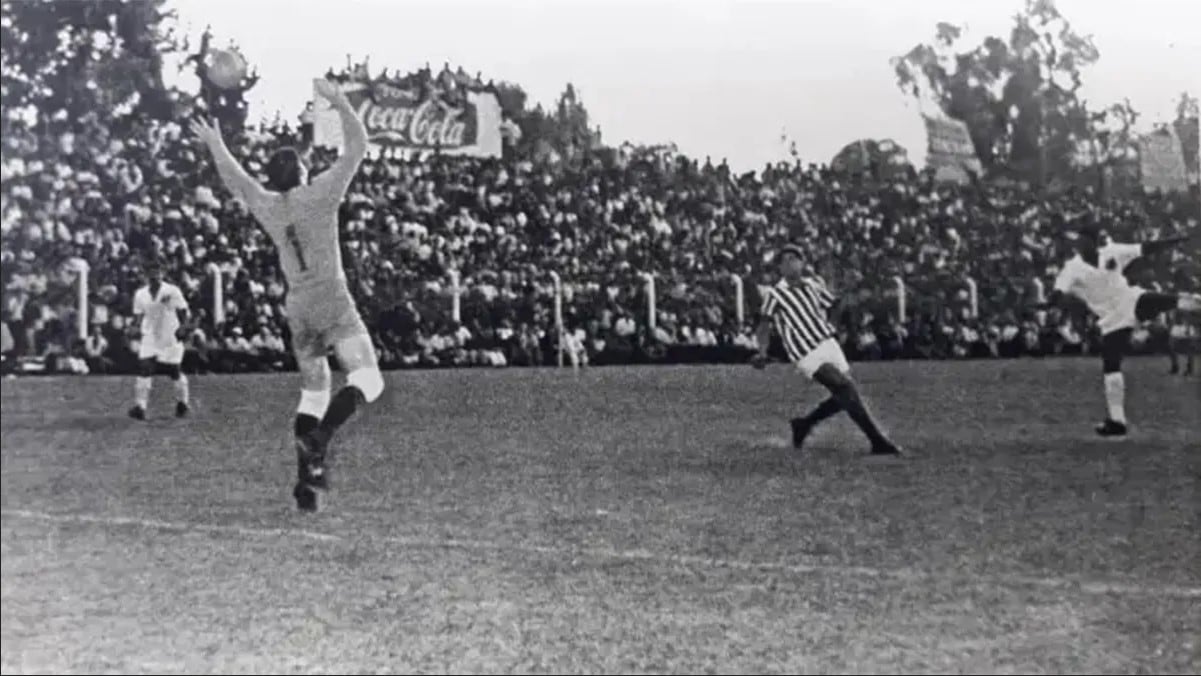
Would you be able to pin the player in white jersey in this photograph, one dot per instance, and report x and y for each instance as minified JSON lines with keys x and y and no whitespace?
{"x":1183,"y":336}
{"x":301,"y":218}
{"x":797,"y":308}
{"x":164,"y":321}
{"x":1095,"y":275}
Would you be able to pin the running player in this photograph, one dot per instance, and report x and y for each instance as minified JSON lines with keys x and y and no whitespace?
{"x":302,"y":220}
{"x":797,"y":306}
{"x":164,"y":314}
{"x":1095,"y":276}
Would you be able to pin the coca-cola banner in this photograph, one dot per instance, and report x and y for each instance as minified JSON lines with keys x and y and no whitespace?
{"x":399,"y":117}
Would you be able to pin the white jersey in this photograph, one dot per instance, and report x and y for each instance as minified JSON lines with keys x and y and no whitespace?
{"x":160,"y":319}
{"x":1104,"y":288}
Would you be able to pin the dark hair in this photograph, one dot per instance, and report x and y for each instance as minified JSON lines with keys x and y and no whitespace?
{"x":1089,"y":229}
{"x":283,"y":169}
{"x":793,"y":249}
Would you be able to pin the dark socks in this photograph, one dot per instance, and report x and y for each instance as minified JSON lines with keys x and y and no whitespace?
{"x":341,"y":408}
{"x":304,"y":424}
{"x":858,"y":411}
{"x":824,"y":410}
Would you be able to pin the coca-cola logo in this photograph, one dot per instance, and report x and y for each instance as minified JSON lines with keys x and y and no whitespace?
{"x":432,"y":123}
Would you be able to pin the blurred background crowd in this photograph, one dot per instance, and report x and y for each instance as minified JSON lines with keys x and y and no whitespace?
{"x":110,"y":184}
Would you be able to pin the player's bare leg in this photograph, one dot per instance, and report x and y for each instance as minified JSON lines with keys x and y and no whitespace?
{"x":1192,"y":344}
{"x":1178,"y":347}
{"x":1181,"y":346}
{"x":1190,"y":304}
{"x":1173,"y":360}
{"x":141,"y":389}
{"x":364,"y":384}
{"x":843,"y":391}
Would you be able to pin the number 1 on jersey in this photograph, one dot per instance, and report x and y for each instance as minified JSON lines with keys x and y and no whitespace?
{"x":294,"y":241}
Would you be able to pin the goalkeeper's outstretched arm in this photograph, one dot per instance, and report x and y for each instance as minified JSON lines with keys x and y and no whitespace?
{"x":235,"y":178}
{"x":354,"y":137}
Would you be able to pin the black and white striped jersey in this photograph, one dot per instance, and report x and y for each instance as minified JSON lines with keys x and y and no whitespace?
{"x":799,"y":313}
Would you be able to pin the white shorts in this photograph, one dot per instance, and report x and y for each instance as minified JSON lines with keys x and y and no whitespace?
{"x":170,"y":354}
{"x":827,"y":352}
{"x":1121,"y":314}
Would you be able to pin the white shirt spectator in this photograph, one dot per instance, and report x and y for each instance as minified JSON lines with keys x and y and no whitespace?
{"x":625,"y":327}
{"x":462,"y":335}
{"x":238,"y":342}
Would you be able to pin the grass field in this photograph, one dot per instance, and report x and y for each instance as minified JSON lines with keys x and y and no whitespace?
{"x":641,"y":520}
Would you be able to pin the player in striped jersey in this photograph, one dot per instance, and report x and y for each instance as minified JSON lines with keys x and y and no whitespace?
{"x":797,"y":307}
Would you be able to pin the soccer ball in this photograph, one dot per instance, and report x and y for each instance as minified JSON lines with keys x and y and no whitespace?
{"x":226,"y":68}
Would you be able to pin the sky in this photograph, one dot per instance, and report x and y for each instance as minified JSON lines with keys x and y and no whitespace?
{"x":719,"y":78}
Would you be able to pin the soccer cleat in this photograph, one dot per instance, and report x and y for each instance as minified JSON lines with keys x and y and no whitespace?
{"x":181,"y":409}
{"x":310,"y":462}
{"x":137,"y":413}
{"x":886,"y":449}
{"x":308,"y":499}
{"x":800,"y":430}
{"x":1111,"y":428}
{"x":312,"y":477}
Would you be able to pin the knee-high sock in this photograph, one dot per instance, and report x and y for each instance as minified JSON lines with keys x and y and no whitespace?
{"x":853,"y":404}
{"x":824,"y":410}
{"x":1115,"y":396}
{"x":141,"y":391}
{"x":313,"y":405}
{"x":181,"y":389}
{"x":344,"y":404}
{"x":304,"y":423}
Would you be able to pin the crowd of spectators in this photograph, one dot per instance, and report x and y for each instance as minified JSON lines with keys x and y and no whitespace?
{"x":111,"y":187}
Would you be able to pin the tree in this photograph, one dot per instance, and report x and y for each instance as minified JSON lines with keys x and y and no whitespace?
{"x":880,"y":159}
{"x":1111,"y":150}
{"x":87,"y":56}
{"x":1018,"y":96}
{"x":1188,"y":114}
{"x":571,"y":132}
{"x":565,"y":131}
{"x":512,"y":99}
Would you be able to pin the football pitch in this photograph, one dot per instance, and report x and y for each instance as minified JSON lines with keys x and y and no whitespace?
{"x":614,"y":520}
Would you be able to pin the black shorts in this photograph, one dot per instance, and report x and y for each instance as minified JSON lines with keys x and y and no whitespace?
{"x":1152,"y":304}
